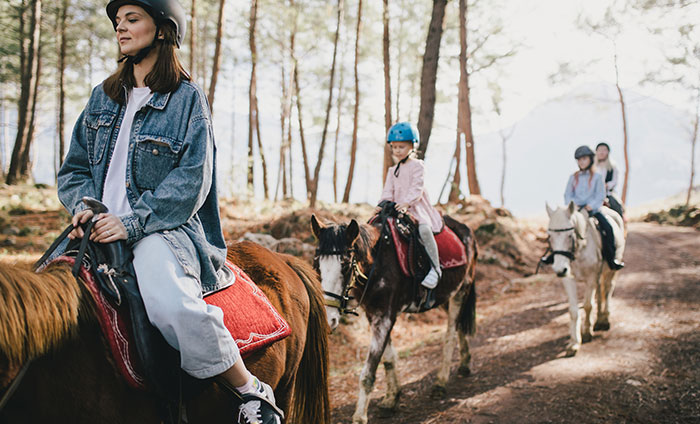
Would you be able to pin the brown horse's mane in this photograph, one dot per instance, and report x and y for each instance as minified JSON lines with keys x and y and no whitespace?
{"x":37,"y":310}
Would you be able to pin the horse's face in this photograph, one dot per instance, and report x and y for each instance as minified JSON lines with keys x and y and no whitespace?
{"x":562,"y":238}
{"x":332,"y":262}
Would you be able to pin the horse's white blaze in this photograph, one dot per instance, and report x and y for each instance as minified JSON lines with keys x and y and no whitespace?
{"x":330,"y":269}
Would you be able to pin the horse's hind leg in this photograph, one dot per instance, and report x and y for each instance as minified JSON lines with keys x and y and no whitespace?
{"x":607,"y":284}
{"x":381,"y":330}
{"x":440,"y":386}
{"x":464,"y":354}
{"x":393,"y":389}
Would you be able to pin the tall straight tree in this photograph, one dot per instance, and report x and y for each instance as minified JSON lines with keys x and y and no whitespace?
{"x":61,"y":65}
{"x":331,"y":84}
{"x":193,"y":35}
{"x":217,"y":54}
{"x":464,"y":111}
{"x":29,"y":67}
{"x":429,"y":75}
{"x":252,"y":96}
{"x":387,"y":89}
{"x":356,"y":112}
{"x":297,"y":94}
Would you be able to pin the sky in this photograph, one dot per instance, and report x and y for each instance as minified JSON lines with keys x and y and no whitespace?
{"x":547,"y":35}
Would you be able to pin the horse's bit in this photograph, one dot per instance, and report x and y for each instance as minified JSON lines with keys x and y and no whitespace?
{"x":356,"y":278}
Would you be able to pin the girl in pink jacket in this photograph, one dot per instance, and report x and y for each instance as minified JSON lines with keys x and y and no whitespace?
{"x":404,"y":186}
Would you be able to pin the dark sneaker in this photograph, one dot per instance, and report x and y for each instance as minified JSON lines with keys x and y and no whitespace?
{"x":259,"y":408}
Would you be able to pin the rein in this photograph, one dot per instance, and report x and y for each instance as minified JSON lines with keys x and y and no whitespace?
{"x":356,"y":279}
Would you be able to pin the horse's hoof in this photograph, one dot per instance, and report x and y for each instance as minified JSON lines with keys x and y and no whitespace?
{"x":438,"y":392}
{"x":356,"y":420}
{"x":571,"y":351}
{"x":464,"y":371}
{"x":586,"y":337}
{"x":386,"y":412}
{"x":601,"y":326}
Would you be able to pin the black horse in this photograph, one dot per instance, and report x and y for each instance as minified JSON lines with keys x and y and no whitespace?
{"x":359,"y":262}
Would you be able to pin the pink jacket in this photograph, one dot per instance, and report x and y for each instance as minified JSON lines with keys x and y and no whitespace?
{"x":408,"y":188}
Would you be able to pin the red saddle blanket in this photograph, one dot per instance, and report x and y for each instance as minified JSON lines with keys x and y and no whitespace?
{"x":450,"y":248}
{"x":248,"y":314}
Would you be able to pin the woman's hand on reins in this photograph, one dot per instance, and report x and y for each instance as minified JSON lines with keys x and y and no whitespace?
{"x":108,"y":228}
{"x":79,"y":218}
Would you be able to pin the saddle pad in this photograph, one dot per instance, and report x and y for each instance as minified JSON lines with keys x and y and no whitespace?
{"x":248,"y":315}
{"x":450,"y":249}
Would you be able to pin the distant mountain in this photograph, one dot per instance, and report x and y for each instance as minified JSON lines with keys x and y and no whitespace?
{"x":540,"y":151}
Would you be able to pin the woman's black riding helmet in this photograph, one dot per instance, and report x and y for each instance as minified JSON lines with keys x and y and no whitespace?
{"x":160,"y":10}
{"x":583,"y":151}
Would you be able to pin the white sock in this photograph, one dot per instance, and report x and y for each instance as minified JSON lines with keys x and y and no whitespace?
{"x":251,"y":386}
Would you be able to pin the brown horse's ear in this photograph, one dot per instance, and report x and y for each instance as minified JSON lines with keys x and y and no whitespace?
{"x":316,"y":226}
{"x":352,"y":232}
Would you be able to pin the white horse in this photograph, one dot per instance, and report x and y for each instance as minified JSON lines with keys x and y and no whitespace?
{"x":576,"y":246}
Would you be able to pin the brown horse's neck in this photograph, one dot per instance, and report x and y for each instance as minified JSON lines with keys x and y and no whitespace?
{"x":39,"y":310}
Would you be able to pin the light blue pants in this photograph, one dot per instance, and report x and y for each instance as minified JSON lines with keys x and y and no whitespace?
{"x":428,"y":239}
{"x":174,"y":305}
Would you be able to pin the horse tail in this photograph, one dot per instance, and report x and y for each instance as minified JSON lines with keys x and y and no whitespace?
{"x":466,"y":318}
{"x":311,"y":402}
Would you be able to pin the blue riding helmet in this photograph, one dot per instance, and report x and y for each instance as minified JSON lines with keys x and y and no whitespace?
{"x":403,"y":131}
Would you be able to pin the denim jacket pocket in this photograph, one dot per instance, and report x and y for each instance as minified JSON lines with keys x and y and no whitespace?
{"x":154,"y":158}
{"x":98,"y":127}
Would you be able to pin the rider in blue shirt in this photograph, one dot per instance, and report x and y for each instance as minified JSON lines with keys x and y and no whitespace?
{"x":586,"y":189}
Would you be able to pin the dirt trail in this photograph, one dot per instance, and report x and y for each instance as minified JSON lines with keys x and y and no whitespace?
{"x":646,"y":369}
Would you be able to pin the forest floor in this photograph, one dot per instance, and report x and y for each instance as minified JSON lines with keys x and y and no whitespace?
{"x":646,"y":369}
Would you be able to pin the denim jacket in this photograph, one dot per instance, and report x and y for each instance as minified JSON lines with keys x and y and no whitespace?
{"x":170,"y":175}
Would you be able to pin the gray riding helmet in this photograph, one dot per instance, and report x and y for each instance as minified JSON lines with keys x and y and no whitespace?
{"x":160,"y":11}
{"x":583,"y":151}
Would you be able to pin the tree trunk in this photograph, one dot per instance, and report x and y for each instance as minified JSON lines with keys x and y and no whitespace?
{"x":261,"y":152}
{"x":693,"y":142}
{"x":217,"y":54}
{"x":3,"y":131}
{"x":281,"y":168}
{"x":624,"y":130}
{"x":26,"y":162}
{"x":339,"y":111}
{"x":387,"y":91}
{"x":356,"y":112}
{"x":62,"y":83}
{"x":464,"y":119}
{"x":193,"y":36}
{"x":252,"y":94}
{"x":28,"y":64}
{"x":429,"y":75}
{"x":331,"y":84}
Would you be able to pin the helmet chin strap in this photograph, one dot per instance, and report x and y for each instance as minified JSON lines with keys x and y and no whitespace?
{"x":398,"y":165}
{"x":138,"y":57}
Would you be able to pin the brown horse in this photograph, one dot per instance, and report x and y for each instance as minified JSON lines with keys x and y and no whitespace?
{"x":356,"y":261}
{"x":47,"y":318}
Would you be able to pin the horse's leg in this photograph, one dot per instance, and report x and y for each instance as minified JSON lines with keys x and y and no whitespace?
{"x":574,"y":323}
{"x":464,"y":354}
{"x":393,"y":389}
{"x":602,"y":322}
{"x":443,"y":375}
{"x":381,"y":329}
{"x":591,"y":284}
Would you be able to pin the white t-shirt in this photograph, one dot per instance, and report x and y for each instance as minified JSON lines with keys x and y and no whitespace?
{"x":114,"y":195}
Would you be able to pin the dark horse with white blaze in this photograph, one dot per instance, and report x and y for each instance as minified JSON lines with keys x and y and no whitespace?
{"x":355,"y":261}
{"x":48,"y":318}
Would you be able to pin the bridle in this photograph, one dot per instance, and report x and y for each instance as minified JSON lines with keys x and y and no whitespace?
{"x":356,"y":279}
{"x":566,"y":253}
